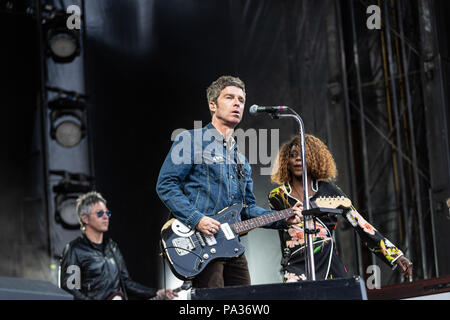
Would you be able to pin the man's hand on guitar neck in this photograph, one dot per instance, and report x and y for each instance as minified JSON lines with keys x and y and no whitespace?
{"x":297,"y":217}
{"x":208,"y":226}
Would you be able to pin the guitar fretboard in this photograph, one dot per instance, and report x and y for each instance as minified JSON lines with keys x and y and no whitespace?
{"x":247,"y":225}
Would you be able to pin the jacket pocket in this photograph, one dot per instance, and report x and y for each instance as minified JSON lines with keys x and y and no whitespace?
{"x":213,"y":166}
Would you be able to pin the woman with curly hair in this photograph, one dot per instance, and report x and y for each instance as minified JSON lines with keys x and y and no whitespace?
{"x":321,"y":174}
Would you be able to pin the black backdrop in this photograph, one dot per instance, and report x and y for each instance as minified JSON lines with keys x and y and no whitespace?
{"x":23,"y":236}
{"x":147,"y":68}
{"x":147,"y":65}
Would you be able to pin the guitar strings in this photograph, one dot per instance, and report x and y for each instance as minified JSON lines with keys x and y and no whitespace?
{"x":221,"y":236}
{"x":195,"y":241}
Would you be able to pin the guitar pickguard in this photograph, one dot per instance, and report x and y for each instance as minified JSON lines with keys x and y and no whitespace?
{"x":183,"y":245}
{"x":190,"y":251}
{"x":181,"y":229}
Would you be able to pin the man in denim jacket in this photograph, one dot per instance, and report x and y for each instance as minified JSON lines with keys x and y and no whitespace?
{"x":204,"y":172}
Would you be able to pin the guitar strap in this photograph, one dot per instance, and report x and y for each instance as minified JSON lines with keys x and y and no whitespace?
{"x":240,"y":175}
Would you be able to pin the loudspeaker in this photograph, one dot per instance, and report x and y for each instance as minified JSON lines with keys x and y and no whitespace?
{"x":334,"y":289}
{"x":26,"y":289}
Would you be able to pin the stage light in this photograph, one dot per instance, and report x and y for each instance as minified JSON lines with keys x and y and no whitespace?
{"x":68,"y":132}
{"x":67,"y":123}
{"x":63,"y":44}
{"x":69,"y":188}
{"x":66,"y":213}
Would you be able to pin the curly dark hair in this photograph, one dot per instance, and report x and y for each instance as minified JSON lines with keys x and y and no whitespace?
{"x":320,"y":163}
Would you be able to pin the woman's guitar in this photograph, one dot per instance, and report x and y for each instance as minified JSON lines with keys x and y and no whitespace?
{"x":190,"y":251}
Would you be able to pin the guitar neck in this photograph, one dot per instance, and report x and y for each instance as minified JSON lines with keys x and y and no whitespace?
{"x":247,"y":225}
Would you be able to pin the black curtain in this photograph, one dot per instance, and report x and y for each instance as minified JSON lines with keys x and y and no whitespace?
{"x":148,"y":64}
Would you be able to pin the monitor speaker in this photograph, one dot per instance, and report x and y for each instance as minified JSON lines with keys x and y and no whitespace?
{"x":336,"y":289}
{"x":26,"y":289}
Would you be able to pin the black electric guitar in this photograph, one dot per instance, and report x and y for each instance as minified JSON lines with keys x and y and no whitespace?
{"x":190,"y":251}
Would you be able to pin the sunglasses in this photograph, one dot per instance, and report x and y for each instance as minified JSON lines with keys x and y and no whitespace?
{"x":101,"y":213}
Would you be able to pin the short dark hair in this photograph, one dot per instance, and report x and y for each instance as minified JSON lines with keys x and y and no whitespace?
{"x":213,"y":91}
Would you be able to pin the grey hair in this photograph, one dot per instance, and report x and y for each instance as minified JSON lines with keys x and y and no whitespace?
{"x":85,"y":203}
{"x":213,"y":91}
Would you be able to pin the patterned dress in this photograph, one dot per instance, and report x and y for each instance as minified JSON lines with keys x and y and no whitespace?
{"x":328,"y":264}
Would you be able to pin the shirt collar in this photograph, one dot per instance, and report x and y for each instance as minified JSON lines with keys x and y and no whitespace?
{"x":230,"y":143}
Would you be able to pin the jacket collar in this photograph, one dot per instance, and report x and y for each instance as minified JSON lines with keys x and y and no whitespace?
{"x":106,"y":240}
{"x":231,"y":143}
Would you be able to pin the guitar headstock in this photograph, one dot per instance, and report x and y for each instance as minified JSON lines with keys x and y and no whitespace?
{"x":333,"y":202}
{"x":186,"y":285}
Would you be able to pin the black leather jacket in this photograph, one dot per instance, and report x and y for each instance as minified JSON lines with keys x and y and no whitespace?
{"x":91,"y":271}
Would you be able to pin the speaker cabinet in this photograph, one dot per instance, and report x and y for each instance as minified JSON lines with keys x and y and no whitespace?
{"x":428,"y":289}
{"x":26,"y":289}
{"x":335,"y":289}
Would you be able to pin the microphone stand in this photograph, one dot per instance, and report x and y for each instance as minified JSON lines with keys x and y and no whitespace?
{"x":308,"y":218}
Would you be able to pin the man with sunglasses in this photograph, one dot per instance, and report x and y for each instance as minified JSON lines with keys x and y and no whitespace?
{"x":92,"y":266}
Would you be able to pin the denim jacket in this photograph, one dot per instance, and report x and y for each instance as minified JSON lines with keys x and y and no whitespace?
{"x":202,"y":174}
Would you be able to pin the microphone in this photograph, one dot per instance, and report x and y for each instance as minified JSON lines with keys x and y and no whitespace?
{"x":254,"y":109}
